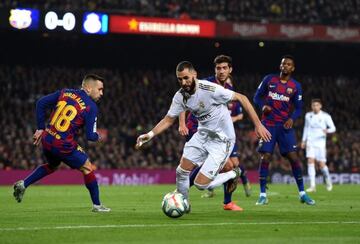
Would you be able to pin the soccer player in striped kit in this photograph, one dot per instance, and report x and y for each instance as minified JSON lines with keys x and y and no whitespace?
{"x":72,"y":109}
{"x":276,"y":96}
{"x":317,"y":125}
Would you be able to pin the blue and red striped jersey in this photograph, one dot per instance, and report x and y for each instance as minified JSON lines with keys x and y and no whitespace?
{"x":72,"y":109}
{"x":285,"y":99}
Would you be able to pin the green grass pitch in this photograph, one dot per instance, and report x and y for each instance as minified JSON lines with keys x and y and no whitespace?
{"x":61,"y":214}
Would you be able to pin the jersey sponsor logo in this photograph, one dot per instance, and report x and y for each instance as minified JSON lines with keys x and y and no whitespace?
{"x":204,"y":117}
{"x":278,"y":97}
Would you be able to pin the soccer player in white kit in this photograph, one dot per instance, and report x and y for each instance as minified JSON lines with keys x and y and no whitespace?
{"x":211,"y":145}
{"x":317,"y":125}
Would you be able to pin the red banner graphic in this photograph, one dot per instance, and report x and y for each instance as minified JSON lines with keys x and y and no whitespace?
{"x":161,"y":26}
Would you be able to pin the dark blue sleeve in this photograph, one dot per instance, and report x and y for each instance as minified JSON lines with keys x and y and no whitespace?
{"x":261,"y":92}
{"x":42,"y":105}
{"x":237,"y":109}
{"x":298,"y":103}
{"x":90,"y":124}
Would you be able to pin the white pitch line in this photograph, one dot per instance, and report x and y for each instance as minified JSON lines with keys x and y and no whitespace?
{"x":175,"y":225}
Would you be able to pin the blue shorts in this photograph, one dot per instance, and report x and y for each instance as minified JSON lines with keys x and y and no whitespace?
{"x":285,"y":138}
{"x":234,"y":153}
{"x":76,"y":159}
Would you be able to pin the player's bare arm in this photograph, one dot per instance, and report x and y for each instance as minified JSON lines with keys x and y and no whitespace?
{"x":260,"y":130}
{"x":183,"y":130}
{"x":164,"y":124}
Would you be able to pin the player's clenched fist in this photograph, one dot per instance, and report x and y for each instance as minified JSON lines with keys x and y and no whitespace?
{"x":266,"y":109}
{"x":143,"y":139}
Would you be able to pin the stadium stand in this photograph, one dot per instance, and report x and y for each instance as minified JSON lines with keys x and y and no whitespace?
{"x":134,"y":100}
{"x":328,"y":12}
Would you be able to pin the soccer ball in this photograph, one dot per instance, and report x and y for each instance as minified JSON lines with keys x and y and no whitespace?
{"x":174,"y":205}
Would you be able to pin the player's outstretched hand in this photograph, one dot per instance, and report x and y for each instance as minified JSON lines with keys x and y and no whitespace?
{"x":37,"y":137}
{"x":183,"y":130}
{"x":263,"y":133}
{"x":143,"y":139}
{"x":288,"y":124}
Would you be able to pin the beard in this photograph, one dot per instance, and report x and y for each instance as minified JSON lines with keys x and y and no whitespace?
{"x":188,"y":90}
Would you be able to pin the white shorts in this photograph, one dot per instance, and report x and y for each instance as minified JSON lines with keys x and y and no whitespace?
{"x":210,"y":152}
{"x":318,"y":153}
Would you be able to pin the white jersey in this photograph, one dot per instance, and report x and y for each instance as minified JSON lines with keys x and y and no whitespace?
{"x":315,"y":124}
{"x":209,"y":105}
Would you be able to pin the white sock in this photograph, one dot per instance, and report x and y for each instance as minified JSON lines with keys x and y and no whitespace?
{"x":221,"y":178}
{"x":183,"y":181}
{"x":311,"y":173}
{"x":301,"y":193}
{"x":325,"y":171}
{"x":262,"y":194}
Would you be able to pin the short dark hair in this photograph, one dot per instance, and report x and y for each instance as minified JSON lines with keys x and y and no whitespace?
{"x":223,"y":59}
{"x":93,"y":77}
{"x":316,"y":100}
{"x":184,"y":65}
{"x":288,"y":56}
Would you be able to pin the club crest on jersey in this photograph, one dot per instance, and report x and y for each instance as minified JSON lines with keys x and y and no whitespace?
{"x":201,"y":105}
{"x":289,"y":90}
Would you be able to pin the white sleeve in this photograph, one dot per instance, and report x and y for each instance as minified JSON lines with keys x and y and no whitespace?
{"x":222,"y":95}
{"x":177,"y":106}
{"x":306,"y":129}
{"x":330,"y":124}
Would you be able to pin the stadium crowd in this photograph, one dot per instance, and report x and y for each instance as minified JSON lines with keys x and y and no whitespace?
{"x":329,"y":12}
{"x":134,"y":100}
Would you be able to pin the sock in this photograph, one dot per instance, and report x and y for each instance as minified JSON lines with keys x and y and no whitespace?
{"x":39,"y":173}
{"x":227,"y":195}
{"x":325,"y":171}
{"x":302,"y":193}
{"x":296,"y":170}
{"x":92,"y":185}
{"x":243,"y":176}
{"x":183,"y":181}
{"x":193,"y":175}
{"x":263,"y":174}
{"x":221,"y":178}
{"x":311,"y":173}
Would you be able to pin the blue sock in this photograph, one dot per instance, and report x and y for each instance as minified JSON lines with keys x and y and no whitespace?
{"x":92,"y":186}
{"x":193,"y":175}
{"x":227,"y":195}
{"x":263,"y":174}
{"x":243,"y":176}
{"x":297,"y":173}
{"x":39,"y":173}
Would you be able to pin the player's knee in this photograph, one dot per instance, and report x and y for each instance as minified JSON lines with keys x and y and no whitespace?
{"x":266,"y":157}
{"x":228,"y":167}
{"x":87,"y":168}
{"x":182,"y":172}
{"x":201,"y":187}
